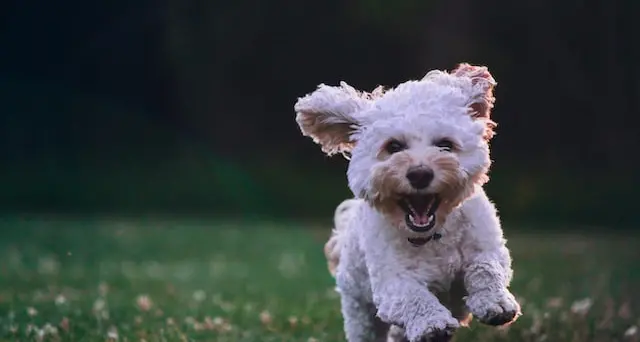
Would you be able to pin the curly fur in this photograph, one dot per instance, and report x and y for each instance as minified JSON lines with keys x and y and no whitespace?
{"x":344,"y":212}
{"x":390,"y":289}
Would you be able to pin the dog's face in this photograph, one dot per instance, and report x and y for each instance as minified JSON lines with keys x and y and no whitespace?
{"x":417,"y":151}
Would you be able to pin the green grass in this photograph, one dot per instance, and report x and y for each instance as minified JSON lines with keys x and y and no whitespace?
{"x":179,"y":280}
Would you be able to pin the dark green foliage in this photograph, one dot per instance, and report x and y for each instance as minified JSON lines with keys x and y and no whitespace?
{"x":187,"y":106}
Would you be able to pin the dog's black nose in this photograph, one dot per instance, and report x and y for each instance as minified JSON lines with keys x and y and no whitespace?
{"x":420,"y":177}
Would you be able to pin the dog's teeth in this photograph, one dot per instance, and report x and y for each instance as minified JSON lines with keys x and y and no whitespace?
{"x":413,"y":220}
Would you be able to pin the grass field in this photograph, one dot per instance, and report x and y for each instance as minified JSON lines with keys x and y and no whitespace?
{"x":178,"y":280}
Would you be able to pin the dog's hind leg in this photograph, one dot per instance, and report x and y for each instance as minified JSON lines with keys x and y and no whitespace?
{"x":361,"y":323}
{"x":341,"y":219}
{"x":396,"y":334}
{"x":456,"y":303}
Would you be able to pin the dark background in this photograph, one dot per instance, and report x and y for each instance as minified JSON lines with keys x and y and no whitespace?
{"x":186,"y":107}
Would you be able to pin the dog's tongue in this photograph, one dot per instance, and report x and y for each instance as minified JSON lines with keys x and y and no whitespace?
{"x":421,"y":219}
{"x":420,"y":212}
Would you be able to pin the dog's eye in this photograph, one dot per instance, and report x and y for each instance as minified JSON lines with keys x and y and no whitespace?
{"x":394,"y":146}
{"x":444,"y":144}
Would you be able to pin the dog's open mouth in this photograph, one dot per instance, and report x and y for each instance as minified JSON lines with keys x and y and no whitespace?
{"x":420,"y":210}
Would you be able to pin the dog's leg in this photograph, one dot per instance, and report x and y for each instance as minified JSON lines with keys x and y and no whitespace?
{"x":360,"y":321}
{"x":396,"y":334}
{"x":400,"y":293}
{"x":406,"y":303}
{"x":487,"y":266}
{"x":487,"y":276}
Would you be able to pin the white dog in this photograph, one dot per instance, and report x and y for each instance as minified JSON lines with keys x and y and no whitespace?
{"x":421,"y":246}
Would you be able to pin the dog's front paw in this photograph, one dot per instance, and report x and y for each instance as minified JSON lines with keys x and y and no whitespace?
{"x":494,"y":308}
{"x":438,"y":336}
{"x":435,"y":329}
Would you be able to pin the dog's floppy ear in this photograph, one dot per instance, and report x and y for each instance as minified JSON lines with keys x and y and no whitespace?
{"x":328,"y":116}
{"x":481,"y":97}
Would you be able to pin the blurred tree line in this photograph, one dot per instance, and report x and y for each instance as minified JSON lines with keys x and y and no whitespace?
{"x":188,"y":105}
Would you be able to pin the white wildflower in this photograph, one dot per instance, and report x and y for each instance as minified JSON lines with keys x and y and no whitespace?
{"x":581,"y":307}
{"x":632,"y":331}
{"x":60,"y":300}
{"x":31,"y":311}
{"x":199,"y":296}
